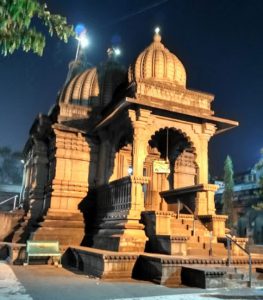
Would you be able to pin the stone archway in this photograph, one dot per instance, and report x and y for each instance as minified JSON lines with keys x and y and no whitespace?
{"x":175,"y":147}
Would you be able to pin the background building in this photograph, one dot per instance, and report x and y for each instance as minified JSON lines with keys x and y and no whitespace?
{"x":248,"y":221}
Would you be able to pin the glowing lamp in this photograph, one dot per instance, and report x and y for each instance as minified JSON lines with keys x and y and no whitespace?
{"x":130,"y":170}
{"x":79,"y":29}
{"x":117,"y":51}
{"x":83,"y":40}
{"x":157,"y":30}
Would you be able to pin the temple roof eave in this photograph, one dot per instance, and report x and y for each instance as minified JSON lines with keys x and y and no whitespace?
{"x":222,"y":124}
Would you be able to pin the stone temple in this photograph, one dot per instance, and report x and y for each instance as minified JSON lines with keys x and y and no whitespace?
{"x":118,"y":169}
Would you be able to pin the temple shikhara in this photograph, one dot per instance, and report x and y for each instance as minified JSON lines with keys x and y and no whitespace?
{"x":117,"y":171}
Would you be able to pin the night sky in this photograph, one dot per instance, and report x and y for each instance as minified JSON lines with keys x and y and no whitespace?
{"x":220,"y":44}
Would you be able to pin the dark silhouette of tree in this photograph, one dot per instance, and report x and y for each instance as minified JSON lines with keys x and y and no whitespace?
{"x":228,"y":191}
{"x":17,"y":30}
{"x":11,"y":167}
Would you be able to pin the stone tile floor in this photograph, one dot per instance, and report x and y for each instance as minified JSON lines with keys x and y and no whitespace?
{"x":43,"y":282}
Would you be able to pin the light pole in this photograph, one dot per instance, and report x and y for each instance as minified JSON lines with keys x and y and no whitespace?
{"x":82,"y":38}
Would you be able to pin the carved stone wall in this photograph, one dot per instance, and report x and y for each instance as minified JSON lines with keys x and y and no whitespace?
{"x":73,"y":160}
{"x":35,"y":178}
{"x":185,"y":170}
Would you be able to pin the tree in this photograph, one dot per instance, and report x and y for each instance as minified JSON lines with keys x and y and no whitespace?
{"x":228,"y":191}
{"x":11,"y":168}
{"x":17,"y":30}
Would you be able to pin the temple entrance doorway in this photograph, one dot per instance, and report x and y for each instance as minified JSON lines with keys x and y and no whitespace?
{"x":170,"y":164}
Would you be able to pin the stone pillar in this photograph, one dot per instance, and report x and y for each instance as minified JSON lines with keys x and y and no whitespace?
{"x":74,"y":160}
{"x":103,"y":158}
{"x":119,"y":208}
{"x":74,"y":171}
{"x":140,"y":121}
{"x":202,"y":158}
{"x":139,"y":148}
{"x":204,"y":200}
{"x":39,"y":180}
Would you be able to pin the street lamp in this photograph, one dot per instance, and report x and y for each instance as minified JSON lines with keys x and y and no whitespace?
{"x":82,"y":38}
{"x":117,"y":51}
{"x":113,"y":52}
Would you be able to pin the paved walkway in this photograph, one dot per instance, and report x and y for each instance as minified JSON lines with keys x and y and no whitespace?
{"x":10,"y":287}
{"x":49,"y":283}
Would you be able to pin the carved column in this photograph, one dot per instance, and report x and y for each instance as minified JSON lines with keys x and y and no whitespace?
{"x":205,"y":204}
{"x":140,"y":120}
{"x":39,"y":179}
{"x":103,"y":158}
{"x":73,"y":158}
{"x":206,"y":132}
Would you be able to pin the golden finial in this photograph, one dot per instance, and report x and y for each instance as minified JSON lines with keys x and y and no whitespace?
{"x":157,"y":37}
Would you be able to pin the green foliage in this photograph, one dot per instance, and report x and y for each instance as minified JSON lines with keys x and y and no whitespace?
{"x":11,"y":168}
{"x":228,"y":191}
{"x":17,"y":31}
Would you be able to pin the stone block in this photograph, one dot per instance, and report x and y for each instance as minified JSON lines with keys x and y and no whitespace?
{"x":160,"y":269}
{"x":101,"y":263}
{"x":14,"y":253}
{"x":203,"y":277}
{"x":168,"y":244}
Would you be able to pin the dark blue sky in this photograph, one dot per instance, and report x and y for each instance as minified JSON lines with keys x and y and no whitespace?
{"x":219,"y":42}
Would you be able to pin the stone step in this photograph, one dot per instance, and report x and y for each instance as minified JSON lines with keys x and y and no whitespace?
{"x":235,"y":276}
{"x":63,"y":235}
{"x":62,"y":223}
{"x":64,"y":216}
{"x":181,"y":232}
{"x":217,"y":246}
{"x":198,"y":252}
{"x":199,"y":239}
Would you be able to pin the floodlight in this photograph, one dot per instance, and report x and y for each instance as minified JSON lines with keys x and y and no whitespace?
{"x":83,"y":40}
{"x":117,"y":51}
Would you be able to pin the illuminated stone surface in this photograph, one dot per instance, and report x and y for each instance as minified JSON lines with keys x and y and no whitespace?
{"x":107,"y":122}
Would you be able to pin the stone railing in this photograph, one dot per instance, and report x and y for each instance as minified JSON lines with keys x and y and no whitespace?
{"x":115,"y":200}
{"x":115,"y":196}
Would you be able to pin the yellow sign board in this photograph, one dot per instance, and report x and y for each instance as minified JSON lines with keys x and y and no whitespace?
{"x":161,"y":166}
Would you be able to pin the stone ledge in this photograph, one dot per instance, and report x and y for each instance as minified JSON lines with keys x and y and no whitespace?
{"x":101,"y":263}
{"x":188,"y":190}
{"x":14,"y":253}
{"x":203,"y":277}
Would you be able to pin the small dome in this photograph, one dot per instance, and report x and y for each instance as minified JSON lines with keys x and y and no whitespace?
{"x":157,"y":63}
{"x":95,"y":86}
{"x":83,"y":89}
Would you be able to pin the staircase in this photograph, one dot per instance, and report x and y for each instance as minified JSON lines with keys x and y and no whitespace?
{"x":10,"y":203}
{"x":200,"y":242}
{"x":220,"y":277}
{"x":180,"y":234}
{"x":11,"y":215}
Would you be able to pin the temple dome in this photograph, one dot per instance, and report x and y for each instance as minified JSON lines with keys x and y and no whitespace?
{"x":94,"y":86}
{"x":157,"y":63}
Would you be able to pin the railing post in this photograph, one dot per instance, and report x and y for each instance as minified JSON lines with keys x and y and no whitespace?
{"x":178,"y":208}
{"x":14,"y":206}
{"x":210,"y":243}
{"x":250,"y":270}
{"x":228,"y":251}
